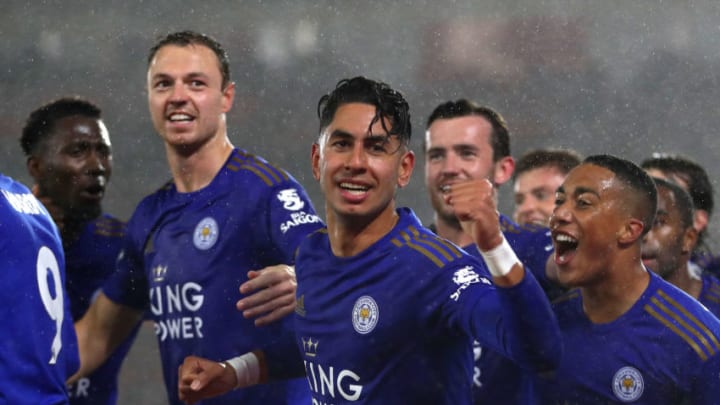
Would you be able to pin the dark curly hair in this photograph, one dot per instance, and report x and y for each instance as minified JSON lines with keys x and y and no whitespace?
{"x":388,"y":104}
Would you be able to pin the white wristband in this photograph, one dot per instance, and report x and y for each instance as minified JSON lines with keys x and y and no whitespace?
{"x":501,"y":259}
{"x":247,"y":369}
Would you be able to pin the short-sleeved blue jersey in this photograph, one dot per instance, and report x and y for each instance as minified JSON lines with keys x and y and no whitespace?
{"x":663,"y":350}
{"x":90,"y":261}
{"x":394,"y":324}
{"x":496,"y":379}
{"x":186,"y":254}
{"x":38,"y":346}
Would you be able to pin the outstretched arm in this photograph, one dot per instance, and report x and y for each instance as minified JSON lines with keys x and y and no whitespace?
{"x":100,"y":331}
{"x":270,"y":294}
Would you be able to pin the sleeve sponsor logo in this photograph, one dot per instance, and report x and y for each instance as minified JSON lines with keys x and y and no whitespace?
{"x":464,"y":278}
{"x":291,"y":200}
{"x":298,"y":218}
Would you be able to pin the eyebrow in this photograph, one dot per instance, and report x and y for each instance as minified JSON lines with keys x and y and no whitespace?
{"x":190,"y":75}
{"x":339,"y":133}
{"x":579,"y":191}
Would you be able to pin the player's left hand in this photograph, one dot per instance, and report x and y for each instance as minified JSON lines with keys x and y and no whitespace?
{"x":474,"y":205}
{"x":270,"y":294}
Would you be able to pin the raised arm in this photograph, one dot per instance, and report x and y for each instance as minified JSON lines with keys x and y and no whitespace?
{"x":527,"y":330}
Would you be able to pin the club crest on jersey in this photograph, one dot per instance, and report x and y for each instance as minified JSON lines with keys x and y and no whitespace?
{"x":365,"y":315}
{"x":290,"y":199}
{"x":628,"y":384}
{"x":206,"y":234}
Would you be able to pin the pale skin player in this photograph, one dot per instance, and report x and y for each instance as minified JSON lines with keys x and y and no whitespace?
{"x":188,"y":100}
{"x":538,"y":174}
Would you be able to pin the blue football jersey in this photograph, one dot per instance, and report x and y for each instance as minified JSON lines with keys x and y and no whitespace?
{"x":186,"y":254}
{"x":496,"y":379}
{"x":90,"y":261}
{"x":394,"y":324}
{"x":710,"y":293}
{"x":663,"y":350}
{"x":38,"y":346}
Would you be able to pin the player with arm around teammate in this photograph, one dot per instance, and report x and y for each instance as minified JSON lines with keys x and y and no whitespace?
{"x":190,"y":244}
{"x":386,"y":309}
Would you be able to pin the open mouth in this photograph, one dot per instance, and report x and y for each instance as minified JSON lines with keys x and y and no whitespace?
{"x":565,"y":247}
{"x":94,"y":192}
{"x":180,"y":117}
{"x":353,"y":188}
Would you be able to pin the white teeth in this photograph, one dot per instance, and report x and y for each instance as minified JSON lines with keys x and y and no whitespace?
{"x":180,"y":117}
{"x":565,"y":238}
{"x":445,"y":188}
{"x":353,"y":187}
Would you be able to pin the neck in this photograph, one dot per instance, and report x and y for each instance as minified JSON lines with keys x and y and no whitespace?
{"x":194,"y":169}
{"x":620,"y":288}
{"x":352,"y":235}
{"x":681,"y":279}
{"x":452,"y":231}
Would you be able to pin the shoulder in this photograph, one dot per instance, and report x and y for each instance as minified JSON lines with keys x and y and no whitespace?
{"x":683,"y":317}
{"x":257,"y":168}
{"x":107,"y":225}
{"x":417,"y":241}
{"x":507,"y":225}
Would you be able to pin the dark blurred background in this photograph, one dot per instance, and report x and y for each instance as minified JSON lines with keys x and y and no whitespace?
{"x":622,"y":77}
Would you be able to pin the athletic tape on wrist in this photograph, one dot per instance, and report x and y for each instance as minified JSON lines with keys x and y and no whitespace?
{"x":501,"y":259}
{"x":247,"y":369}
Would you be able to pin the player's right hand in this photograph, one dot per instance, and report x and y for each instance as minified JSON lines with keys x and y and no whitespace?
{"x":200,"y":378}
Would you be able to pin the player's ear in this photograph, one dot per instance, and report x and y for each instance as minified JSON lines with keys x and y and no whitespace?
{"x":315,"y":160}
{"x":504,"y":169}
{"x":407,"y":163}
{"x":690,"y":238}
{"x":700,"y":220}
{"x":228,"y":96}
{"x":631,"y":231}
{"x":33,"y":166}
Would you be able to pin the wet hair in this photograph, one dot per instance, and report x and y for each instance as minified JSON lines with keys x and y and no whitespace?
{"x":699,"y":185}
{"x":635,"y":178}
{"x":187,"y":38}
{"x":388,"y":104}
{"x":40,"y":125}
{"x":683,"y":201}
{"x":500,"y":137}
{"x":563,"y":160}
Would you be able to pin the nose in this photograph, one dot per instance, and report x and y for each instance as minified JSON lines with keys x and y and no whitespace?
{"x":560,"y":215}
{"x":451,"y":164}
{"x":98,"y":163}
{"x":356,"y":159}
{"x":179,"y":94}
{"x":526,"y":206}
